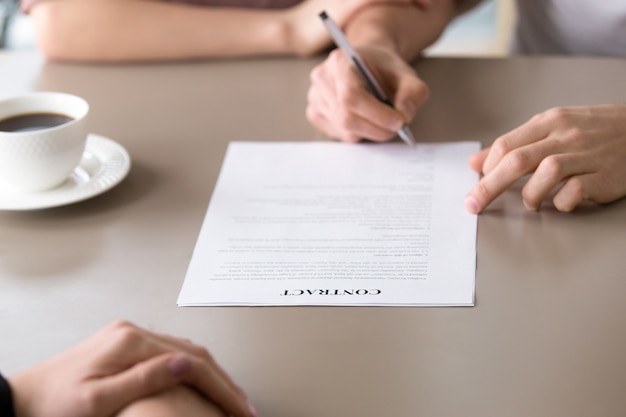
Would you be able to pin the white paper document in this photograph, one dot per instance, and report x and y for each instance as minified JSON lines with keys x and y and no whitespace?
{"x":325,"y":223}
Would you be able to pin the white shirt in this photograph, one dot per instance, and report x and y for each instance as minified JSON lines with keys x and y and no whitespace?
{"x":581,"y":27}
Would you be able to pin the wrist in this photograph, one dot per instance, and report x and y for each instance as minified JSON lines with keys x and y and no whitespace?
{"x":372,"y":31}
{"x":294,"y":39}
{"x":402,"y":30}
{"x":289,"y":37}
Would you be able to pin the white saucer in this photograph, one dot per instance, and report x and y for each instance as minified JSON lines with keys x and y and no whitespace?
{"x":104,"y":164}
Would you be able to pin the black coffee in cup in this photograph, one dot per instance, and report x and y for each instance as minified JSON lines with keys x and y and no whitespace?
{"x":32,"y":121}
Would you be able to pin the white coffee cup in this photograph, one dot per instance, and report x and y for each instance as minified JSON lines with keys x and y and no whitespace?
{"x":41,"y":158}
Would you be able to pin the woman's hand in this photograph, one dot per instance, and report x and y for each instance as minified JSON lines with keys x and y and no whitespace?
{"x":179,"y":401}
{"x":579,"y":152}
{"x":117,"y":366}
{"x":340,"y":106}
{"x":308,"y":34}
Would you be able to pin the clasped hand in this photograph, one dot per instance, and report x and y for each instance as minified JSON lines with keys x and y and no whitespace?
{"x":120,"y":364}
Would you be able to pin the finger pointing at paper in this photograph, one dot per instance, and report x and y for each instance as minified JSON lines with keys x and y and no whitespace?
{"x":577,"y":153}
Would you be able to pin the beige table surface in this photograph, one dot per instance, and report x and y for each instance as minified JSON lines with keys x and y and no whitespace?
{"x":547,"y":336}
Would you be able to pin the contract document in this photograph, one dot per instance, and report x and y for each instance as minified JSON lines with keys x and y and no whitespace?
{"x":326,"y":223}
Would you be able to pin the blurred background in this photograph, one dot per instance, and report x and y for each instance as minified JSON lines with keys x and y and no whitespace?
{"x":485,"y":31}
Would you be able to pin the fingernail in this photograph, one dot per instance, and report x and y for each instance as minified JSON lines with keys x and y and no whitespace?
{"x":252,"y":410}
{"x":529,"y":206}
{"x":471,"y":205}
{"x":395,"y":125}
{"x":179,"y":365}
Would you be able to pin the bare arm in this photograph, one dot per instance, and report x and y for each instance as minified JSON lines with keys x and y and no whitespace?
{"x":406,"y":31}
{"x":123,"y":30}
{"x":119,"y":30}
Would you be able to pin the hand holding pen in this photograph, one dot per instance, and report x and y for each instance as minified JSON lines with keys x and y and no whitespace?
{"x":374,"y":87}
{"x":343,"y":105}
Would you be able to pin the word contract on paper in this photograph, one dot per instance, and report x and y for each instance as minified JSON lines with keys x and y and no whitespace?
{"x":325,"y":223}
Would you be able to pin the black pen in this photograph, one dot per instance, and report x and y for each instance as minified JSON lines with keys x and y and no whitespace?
{"x":342,"y":42}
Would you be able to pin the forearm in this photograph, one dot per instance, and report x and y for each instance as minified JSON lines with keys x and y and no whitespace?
{"x":123,"y":30}
{"x":405,"y":30}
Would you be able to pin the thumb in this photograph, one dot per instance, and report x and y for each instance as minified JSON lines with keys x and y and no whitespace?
{"x":143,"y":379}
{"x":411,"y":94}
